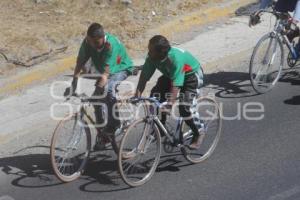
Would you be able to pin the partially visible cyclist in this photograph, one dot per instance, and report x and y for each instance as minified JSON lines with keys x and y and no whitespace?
{"x":282,"y":6}
{"x":113,"y":65}
{"x":182,"y":73}
{"x":265,"y":4}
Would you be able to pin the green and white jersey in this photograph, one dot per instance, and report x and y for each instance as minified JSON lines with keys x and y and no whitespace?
{"x":113,"y":55}
{"x":175,"y":66}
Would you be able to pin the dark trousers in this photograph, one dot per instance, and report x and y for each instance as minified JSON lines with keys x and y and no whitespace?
{"x":107,"y":96}
{"x":188,"y":92}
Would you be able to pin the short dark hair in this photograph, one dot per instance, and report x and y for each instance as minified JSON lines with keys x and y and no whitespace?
{"x":161,"y":44}
{"x":95,"y":30}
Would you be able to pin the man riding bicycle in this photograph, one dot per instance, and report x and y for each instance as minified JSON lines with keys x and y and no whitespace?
{"x":283,"y":6}
{"x":182,"y":73}
{"x":112,"y":65}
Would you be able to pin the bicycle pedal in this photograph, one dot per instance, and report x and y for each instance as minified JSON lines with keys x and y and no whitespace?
{"x":179,"y":145}
{"x":99,"y":147}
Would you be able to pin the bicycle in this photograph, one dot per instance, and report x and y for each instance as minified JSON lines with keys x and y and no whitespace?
{"x":267,"y":59}
{"x":71,"y":140}
{"x":140,"y":148}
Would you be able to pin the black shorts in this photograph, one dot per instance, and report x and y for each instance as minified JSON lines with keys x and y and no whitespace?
{"x":189,"y":90}
{"x":285,"y":5}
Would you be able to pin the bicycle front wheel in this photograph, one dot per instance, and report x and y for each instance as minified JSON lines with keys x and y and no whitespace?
{"x":70,"y":148}
{"x":208,"y":115}
{"x":127,"y":114}
{"x":266,"y":63}
{"x":139,"y":152}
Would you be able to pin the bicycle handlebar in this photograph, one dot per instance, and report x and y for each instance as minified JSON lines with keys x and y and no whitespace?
{"x":134,"y":72}
{"x":255,"y":17}
{"x":278,"y":15}
{"x":81,"y":96}
{"x":136,"y":69}
{"x":150,"y":99}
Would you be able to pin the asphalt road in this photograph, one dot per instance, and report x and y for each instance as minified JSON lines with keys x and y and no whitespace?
{"x":253,"y":160}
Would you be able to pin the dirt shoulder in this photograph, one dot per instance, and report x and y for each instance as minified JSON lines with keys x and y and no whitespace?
{"x":34,"y":30}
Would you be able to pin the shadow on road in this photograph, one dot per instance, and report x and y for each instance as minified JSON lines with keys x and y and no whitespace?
{"x":290,"y":76}
{"x":293,"y":101}
{"x":172,"y":162}
{"x":35,"y":170}
{"x":230,"y":84}
{"x":169,"y":162}
{"x":101,"y":174}
{"x":29,"y":171}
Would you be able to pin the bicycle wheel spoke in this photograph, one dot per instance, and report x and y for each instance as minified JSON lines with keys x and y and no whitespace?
{"x":57,"y":160}
{"x":61,"y":166}
{"x":266,"y":63}
{"x":139,"y":153}
{"x":209,"y":134}
{"x":132,"y":164}
{"x":69,"y":149}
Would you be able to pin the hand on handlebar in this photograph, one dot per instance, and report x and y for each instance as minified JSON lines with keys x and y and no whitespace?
{"x":69,"y":92}
{"x":134,"y":99}
{"x":254,"y":19}
{"x":102,"y":81}
{"x":136,"y":70}
{"x":166,"y":107}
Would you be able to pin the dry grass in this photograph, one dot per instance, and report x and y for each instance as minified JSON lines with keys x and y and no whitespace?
{"x":29,"y":28}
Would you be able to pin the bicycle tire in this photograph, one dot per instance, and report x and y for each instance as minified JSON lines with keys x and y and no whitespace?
{"x":77,"y":173}
{"x":119,"y":133}
{"x":124,"y":150}
{"x":197,"y":156}
{"x":255,"y":86}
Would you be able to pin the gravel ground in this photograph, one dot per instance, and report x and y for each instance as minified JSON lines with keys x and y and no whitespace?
{"x":31,"y":28}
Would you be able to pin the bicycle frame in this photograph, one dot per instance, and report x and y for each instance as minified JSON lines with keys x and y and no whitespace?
{"x":279,"y":29}
{"x":278,"y":38}
{"x":171,"y":137}
{"x":87,"y":102}
{"x":153,"y":118}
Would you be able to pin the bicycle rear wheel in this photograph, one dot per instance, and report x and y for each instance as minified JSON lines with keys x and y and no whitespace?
{"x":70,"y":148}
{"x":266,"y":63}
{"x":139,"y":153}
{"x":208,"y":113}
{"x":291,"y":61}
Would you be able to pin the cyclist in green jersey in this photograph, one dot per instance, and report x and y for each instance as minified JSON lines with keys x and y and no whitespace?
{"x":112,"y":65}
{"x":182,"y":74}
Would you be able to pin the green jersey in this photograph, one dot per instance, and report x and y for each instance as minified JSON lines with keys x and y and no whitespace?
{"x":175,"y":66}
{"x":113,"y":55}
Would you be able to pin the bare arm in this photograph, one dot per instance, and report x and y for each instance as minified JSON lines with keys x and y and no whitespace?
{"x":78,"y":68}
{"x":102,"y":81}
{"x":141,"y":86}
{"x":174,"y":93}
{"x":82,"y":58}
